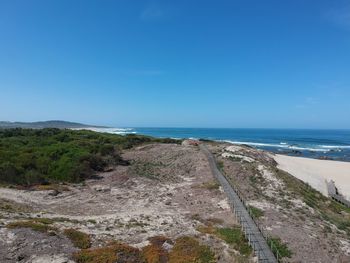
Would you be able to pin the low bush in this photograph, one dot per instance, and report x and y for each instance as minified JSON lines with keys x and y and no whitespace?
{"x":212,"y":185}
{"x":236,"y":238}
{"x":277,"y":245}
{"x":43,"y":220}
{"x":256,"y":212}
{"x":189,"y":250}
{"x":232,"y":236}
{"x":31,"y":157}
{"x":114,"y":252}
{"x":155,"y":253}
{"x":78,"y":238}
{"x":32,"y":224}
{"x":96,"y":255}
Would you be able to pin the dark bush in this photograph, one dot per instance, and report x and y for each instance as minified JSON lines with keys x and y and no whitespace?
{"x":52,"y":155}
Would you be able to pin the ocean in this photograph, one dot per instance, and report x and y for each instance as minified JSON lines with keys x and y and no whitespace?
{"x":325,"y":144}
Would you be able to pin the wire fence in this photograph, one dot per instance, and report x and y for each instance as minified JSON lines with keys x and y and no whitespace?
{"x":261,"y":243}
{"x":263,"y":232}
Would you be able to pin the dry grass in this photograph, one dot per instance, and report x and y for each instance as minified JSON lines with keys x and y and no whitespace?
{"x":96,"y":255}
{"x":189,"y":250}
{"x":47,"y":187}
{"x":214,"y":220}
{"x":150,"y":170}
{"x":12,"y":207}
{"x":211,"y":185}
{"x":326,"y":208}
{"x":78,"y":238}
{"x":208,"y":229}
{"x":155,"y":253}
{"x":114,"y":252}
{"x":32,"y":224}
{"x":43,"y":220}
{"x":185,"y":250}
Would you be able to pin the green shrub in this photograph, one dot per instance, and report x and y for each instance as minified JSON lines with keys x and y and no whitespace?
{"x":236,"y":238}
{"x":277,"y":245}
{"x":256,"y":212}
{"x":220,"y":165}
{"x":189,"y":250}
{"x":29,"y":157}
{"x":232,"y":236}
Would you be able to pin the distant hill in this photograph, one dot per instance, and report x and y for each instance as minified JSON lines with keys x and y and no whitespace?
{"x":45,"y":124}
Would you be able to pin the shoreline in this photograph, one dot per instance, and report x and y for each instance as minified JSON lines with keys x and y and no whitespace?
{"x":316,"y":172}
{"x":291,"y":142}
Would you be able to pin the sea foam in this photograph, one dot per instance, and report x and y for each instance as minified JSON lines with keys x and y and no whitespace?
{"x":120,"y":131}
{"x":283,"y":146}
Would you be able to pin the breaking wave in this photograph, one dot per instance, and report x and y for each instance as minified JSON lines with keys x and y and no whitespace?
{"x":288,"y":146}
{"x":120,"y":131}
{"x":335,"y":146}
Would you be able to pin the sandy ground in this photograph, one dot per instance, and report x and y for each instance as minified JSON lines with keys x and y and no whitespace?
{"x":316,"y":172}
{"x":168,"y":190}
{"x":163,"y":192}
{"x":285,"y":213}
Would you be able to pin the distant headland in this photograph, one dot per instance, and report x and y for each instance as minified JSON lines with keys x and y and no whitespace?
{"x":46,"y":124}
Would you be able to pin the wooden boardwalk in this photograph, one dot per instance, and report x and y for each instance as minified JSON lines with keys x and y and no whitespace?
{"x":254,"y":235}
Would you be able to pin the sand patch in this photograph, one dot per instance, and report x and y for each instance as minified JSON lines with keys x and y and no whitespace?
{"x":316,"y":172}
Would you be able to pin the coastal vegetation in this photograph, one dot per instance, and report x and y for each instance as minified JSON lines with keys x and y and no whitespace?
{"x":147,"y":169}
{"x":327,"y":209}
{"x":231,"y":235}
{"x":273,"y":194}
{"x":277,"y":245}
{"x":211,"y":185}
{"x":220,"y":165}
{"x":188,"y":249}
{"x":43,"y":156}
{"x":256,"y":212}
{"x":114,"y":252}
{"x":78,"y":238}
{"x":45,"y":124}
{"x":185,"y":250}
{"x":35,"y":225}
{"x":13,"y":207}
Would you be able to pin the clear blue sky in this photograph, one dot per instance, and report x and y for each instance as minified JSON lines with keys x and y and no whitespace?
{"x":183,"y":63}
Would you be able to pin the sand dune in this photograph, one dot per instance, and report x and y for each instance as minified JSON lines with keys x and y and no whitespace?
{"x":316,"y":172}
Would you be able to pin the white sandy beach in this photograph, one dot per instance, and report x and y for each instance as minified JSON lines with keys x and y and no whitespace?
{"x":316,"y":172}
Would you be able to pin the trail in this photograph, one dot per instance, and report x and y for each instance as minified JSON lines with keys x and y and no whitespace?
{"x":251,"y":231}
